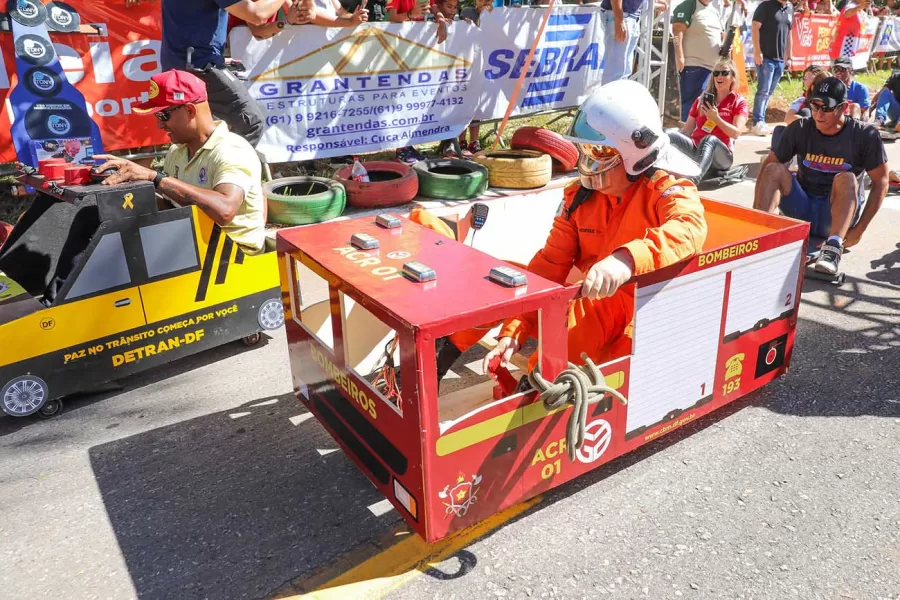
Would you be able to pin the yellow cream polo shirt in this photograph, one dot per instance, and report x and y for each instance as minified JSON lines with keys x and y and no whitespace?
{"x":226,"y":158}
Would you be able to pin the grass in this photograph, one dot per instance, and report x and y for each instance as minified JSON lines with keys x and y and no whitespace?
{"x":789,"y":88}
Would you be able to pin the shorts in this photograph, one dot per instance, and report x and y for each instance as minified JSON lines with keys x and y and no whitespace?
{"x":816,"y":210}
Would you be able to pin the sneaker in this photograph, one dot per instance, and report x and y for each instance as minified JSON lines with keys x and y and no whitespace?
{"x":475,"y":147}
{"x":760,"y":128}
{"x":403,"y":155}
{"x":416,"y":155}
{"x":829,"y":258}
{"x":445,"y":149}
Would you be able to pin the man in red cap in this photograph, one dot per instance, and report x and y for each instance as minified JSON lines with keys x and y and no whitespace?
{"x":207,"y":165}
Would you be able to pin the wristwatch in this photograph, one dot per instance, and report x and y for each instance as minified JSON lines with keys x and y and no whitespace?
{"x":159,"y":177}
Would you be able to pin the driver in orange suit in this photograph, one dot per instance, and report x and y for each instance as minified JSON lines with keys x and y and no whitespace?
{"x":629,"y":215}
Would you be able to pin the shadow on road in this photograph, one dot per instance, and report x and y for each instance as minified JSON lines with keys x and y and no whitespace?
{"x":109,"y":392}
{"x":236,"y":507}
{"x":222,"y":507}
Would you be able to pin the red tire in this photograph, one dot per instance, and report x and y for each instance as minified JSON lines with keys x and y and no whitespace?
{"x":390,"y":184}
{"x":562,"y":151}
{"x":5,"y":230}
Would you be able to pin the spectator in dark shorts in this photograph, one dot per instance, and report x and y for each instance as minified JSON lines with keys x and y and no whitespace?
{"x":193,"y":39}
{"x":771,"y":31}
{"x":887,"y":110}
{"x":834,"y":152}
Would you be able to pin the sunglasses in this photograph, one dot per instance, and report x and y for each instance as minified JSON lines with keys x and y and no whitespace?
{"x":821,"y":107}
{"x":840,"y":69}
{"x":165,"y":115}
{"x":721,"y":73}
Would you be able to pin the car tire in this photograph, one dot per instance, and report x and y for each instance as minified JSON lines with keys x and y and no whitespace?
{"x":390,"y":184}
{"x":516,"y":169}
{"x":304,"y":200}
{"x":451,"y":179}
{"x":24,"y":395}
{"x":562,"y":151}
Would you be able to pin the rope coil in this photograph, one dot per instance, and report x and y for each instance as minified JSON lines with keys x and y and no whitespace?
{"x":581,"y":387}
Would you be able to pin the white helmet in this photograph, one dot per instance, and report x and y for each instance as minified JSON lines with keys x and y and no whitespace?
{"x":620,"y":122}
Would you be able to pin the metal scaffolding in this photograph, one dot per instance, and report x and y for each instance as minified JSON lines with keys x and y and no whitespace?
{"x":652,"y":60}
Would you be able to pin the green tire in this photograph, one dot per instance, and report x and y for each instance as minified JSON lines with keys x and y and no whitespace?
{"x":304,"y":200}
{"x":451,"y":179}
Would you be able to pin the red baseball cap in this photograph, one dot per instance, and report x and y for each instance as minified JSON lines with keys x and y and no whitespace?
{"x":172,"y":88}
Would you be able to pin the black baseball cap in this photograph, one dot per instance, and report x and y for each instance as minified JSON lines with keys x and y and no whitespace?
{"x":831,"y":91}
{"x":843,"y":61}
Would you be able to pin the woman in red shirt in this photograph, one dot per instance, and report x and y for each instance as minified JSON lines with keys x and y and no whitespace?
{"x":715,"y":120}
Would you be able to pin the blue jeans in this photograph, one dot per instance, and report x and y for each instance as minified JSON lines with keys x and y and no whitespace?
{"x":888,"y":108}
{"x":618,"y":57}
{"x":767,"y":76}
{"x":693,"y":80}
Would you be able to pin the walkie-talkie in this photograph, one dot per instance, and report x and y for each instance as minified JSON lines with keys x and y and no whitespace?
{"x":479,"y":215}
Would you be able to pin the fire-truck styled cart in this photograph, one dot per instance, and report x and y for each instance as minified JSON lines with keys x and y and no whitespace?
{"x":705,"y":333}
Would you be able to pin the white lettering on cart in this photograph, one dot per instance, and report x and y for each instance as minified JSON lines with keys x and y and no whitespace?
{"x":364,"y":260}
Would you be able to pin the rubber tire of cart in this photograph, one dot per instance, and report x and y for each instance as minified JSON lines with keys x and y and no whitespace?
{"x":50,"y":409}
{"x":327,"y":202}
{"x":252,"y":339}
{"x":470,"y":179}
{"x":562,"y":151}
{"x":399,"y":186}
{"x":516,"y":169}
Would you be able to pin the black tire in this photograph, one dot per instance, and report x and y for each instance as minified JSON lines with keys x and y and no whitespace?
{"x":252,"y":339}
{"x":451,"y":179}
{"x":50,"y":409}
{"x":304,"y":200}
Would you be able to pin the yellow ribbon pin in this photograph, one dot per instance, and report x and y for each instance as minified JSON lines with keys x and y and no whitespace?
{"x":128,"y":198}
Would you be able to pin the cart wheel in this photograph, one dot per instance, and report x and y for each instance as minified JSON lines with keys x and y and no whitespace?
{"x":50,"y":409}
{"x":252,"y":339}
{"x":23,"y":395}
{"x":271,"y":314}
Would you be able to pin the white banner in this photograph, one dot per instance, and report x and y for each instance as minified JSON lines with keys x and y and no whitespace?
{"x":328,"y":92}
{"x":566,"y":65}
{"x":865,"y":43}
{"x":888,"y":39}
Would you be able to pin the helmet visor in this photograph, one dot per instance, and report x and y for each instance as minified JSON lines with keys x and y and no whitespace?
{"x":594,"y":159}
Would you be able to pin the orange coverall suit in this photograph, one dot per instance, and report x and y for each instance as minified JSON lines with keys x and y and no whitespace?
{"x":662,"y":223}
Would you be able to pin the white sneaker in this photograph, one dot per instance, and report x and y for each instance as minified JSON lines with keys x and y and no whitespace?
{"x":760,"y":129}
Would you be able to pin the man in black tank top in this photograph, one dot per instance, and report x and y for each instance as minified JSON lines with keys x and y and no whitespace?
{"x":834,"y":152}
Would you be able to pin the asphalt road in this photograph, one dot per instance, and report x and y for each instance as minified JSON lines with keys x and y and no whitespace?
{"x":206,"y":480}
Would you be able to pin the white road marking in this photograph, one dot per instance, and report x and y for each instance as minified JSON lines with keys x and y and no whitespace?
{"x":451,"y":375}
{"x":239,"y":415}
{"x":300,"y":419}
{"x":266,"y":403}
{"x":326,"y":451}
{"x":381,"y":508}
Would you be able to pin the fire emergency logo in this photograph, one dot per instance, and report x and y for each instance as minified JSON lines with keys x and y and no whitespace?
{"x":771,"y":355}
{"x":460,"y":497}
{"x":597,"y":436}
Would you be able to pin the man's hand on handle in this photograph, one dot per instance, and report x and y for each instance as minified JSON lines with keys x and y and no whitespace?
{"x":505,"y":349}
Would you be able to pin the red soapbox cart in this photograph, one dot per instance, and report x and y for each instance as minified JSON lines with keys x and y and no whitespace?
{"x":705,"y":333}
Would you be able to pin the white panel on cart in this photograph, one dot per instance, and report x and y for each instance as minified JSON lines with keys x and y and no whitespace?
{"x":677,"y":327}
{"x":763,"y":286}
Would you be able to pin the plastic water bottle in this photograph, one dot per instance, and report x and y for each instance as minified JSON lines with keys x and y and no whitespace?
{"x":358,"y":171}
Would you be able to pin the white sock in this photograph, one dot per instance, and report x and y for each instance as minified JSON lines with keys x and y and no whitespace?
{"x":837,"y":239}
